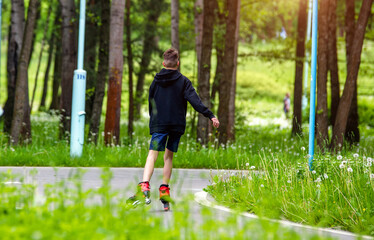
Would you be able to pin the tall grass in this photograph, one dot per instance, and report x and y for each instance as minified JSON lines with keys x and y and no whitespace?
{"x":68,"y":211}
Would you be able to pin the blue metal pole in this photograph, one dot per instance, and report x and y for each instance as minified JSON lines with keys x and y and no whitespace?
{"x":79,"y":91}
{"x":312,"y":114}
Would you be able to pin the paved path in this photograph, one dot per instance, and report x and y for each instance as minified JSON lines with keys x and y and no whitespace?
{"x":185,"y":182}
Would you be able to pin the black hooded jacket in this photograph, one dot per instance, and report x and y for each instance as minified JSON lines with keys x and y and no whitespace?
{"x":168,"y":96}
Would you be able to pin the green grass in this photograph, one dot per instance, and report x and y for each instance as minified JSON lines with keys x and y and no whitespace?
{"x":339,"y":193}
{"x":67,"y":211}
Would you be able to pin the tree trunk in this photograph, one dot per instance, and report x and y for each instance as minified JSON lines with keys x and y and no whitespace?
{"x":130,"y":126}
{"x":47,"y":70}
{"x":55,"y":102}
{"x":233,"y":86}
{"x":68,"y":63}
{"x":351,"y":81}
{"x":154,"y":8}
{"x":219,"y":37}
{"x":14,"y":51}
{"x":90,"y":55}
{"x":226,"y":129}
{"x":112,"y":121}
{"x":300,"y":55}
{"x":102,"y":72}
{"x":21,"y":126}
{"x":352,"y":133}
{"x":332,"y":57}
{"x":322,"y":112}
{"x":40,"y":57}
{"x":199,"y":17}
{"x":175,"y":24}
{"x":204,"y":69}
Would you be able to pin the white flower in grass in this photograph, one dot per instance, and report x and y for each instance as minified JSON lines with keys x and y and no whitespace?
{"x":349,"y":169}
{"x":369,"y":160}
{"x":289,"y":181}
{"x":325,"y":176}
{"x":355,"y":155}
{"x":372,"y":176}
{"x":314,"y":172}
{"x":247,"y":164}
{"x":303,"y":148}
{"x":262,"y":185}
{"x":341,"y":165}
{"x":318,"y":186}
{"x":340,"y":157}
{"x":253,"y":167}
{"x":344,"y":162}
{"x":318,"y":180}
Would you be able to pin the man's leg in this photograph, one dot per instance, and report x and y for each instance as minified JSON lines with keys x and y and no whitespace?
{"x":150,"y":165}
{"x":168,"y":165}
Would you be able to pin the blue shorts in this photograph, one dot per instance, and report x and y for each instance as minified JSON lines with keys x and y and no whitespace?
{"x":160,"y":140}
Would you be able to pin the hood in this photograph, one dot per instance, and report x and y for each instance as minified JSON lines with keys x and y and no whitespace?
{"x":167,"y":77}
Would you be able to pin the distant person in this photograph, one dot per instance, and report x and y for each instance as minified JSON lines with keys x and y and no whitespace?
{"x":286,"y":104}
{"x":168,"y":96}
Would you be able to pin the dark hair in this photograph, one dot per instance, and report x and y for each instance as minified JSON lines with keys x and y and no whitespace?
{"x":171,"y":57}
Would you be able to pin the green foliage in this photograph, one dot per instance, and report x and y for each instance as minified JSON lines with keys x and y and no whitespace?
{"x":338,"y":193}
{"x":68,"y":211}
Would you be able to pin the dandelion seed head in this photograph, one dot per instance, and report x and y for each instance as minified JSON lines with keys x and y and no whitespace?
{"x":341,"y":165}
{"x":314,"y":172}
{"x":349,"y":169}
{"x":340,"y":157}
{"x":247,"y":164}
{"x":253,"y":167}
{"x":325,"y":176}
{"x":302,"y":148}
{"x":289,"y":181}
{"x":355,"y":155}
{"x":372,"y":176}
{"x":262,"y":185}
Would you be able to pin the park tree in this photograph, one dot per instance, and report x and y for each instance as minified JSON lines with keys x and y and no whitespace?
{"x":44,"y":39}
{"x":90,"y":54}
{"x":322,"y":110}
{"x":14,"y":51}
{"x":56,"y":83}
{"x":175,"y":24}
{"x":198,"y":22}
{"x":332,"y":57}
{"x":21,"y":125}
{"x":130,"y":126}
{"x":153,"y":9}
{"x":352,"y":133}
{"x":68,"y":62}
{"x":352,"y":72}
{"x":300,"y":55}
{"x":203,"y":124}
{"x":113,"y":114}
{"x":226,"y":130}
{"x":102,"y":71}
{"x":51,"y":48}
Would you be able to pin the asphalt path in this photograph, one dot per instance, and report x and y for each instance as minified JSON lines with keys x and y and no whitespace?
{"x":185,"y":183}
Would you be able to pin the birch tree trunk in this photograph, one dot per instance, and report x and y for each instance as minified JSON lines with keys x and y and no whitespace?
{"x":21,"y":126}
{"x":300,"y":55}
{"x":351,"y":81}
{"x":113,"y":114}
{"x":14,"y":51}
{"x":102,"y":72}
{"x":322,"y":111}
{"x":204,"y":69}
{"x":68,"y":63}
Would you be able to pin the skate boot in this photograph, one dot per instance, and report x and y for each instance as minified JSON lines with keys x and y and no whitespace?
{"x":165,"y":196}
{"x":142,"y":196}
